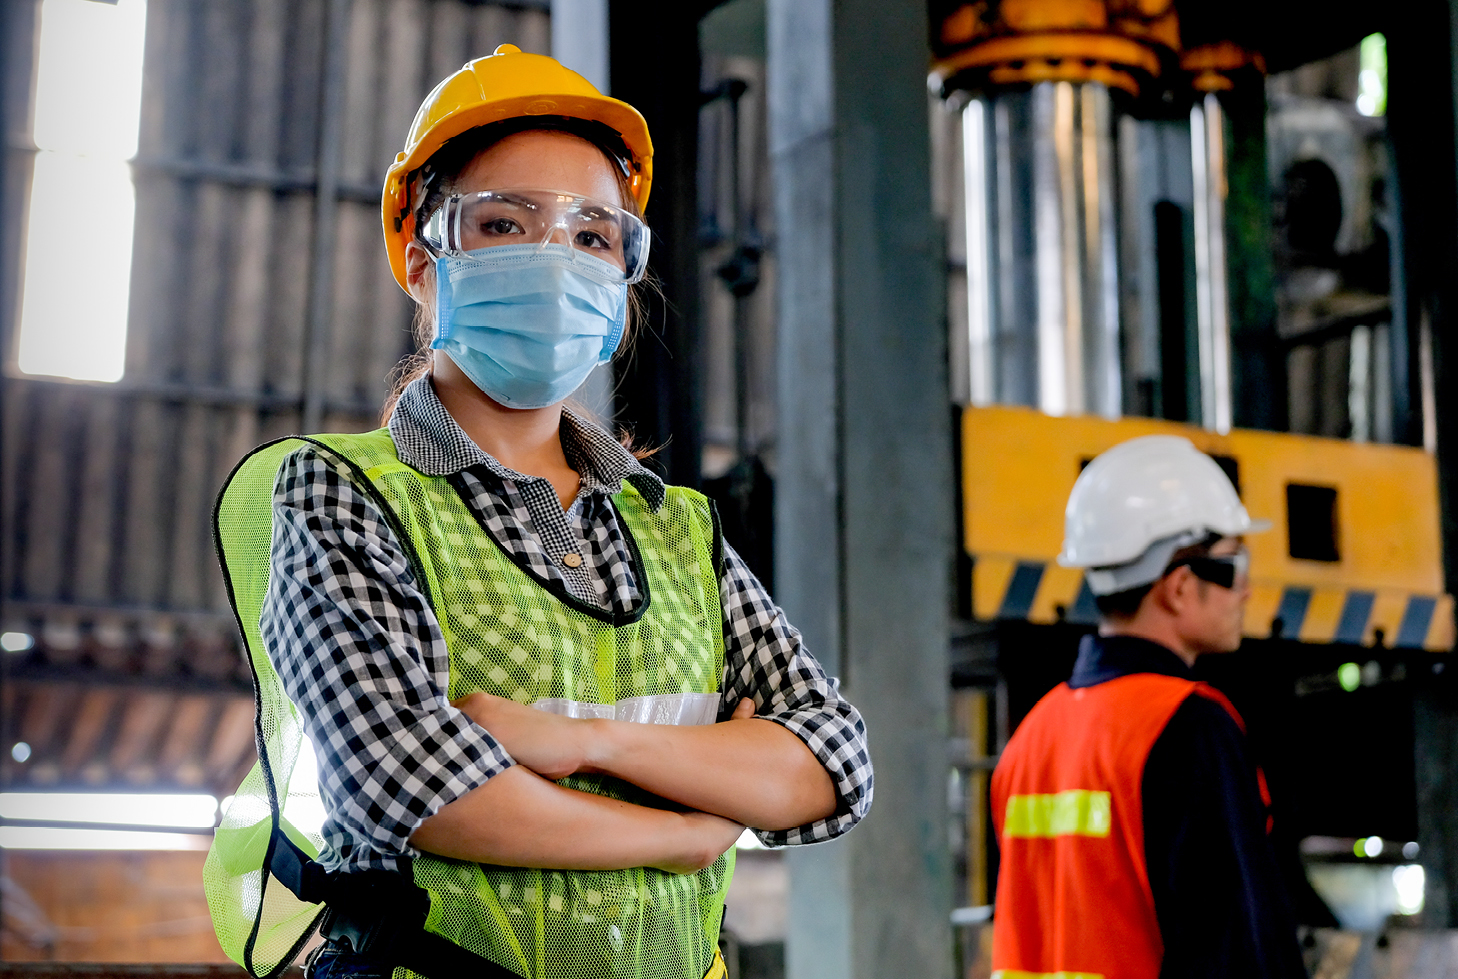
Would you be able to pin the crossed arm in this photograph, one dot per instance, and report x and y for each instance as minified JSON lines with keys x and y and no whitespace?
{"x":355,"y":642}
{"x":743,"y":771}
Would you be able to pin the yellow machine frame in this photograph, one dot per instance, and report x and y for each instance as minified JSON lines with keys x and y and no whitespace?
{"x":1019,"y":466}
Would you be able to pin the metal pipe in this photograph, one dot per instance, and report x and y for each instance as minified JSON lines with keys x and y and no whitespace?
{"x":1104,"y":393}
{"x":1207,"y":160}
{"x":741,"y":296}
{"x":1048,"y":254}
{"x":326,"y":206}
{"x":247,"y":175}
{"x":197,"y":394}
{"x":1015,"y":356}
{"x":978,"y":187}
{"x":1042,"y":262}
{"x":1066,"y":147}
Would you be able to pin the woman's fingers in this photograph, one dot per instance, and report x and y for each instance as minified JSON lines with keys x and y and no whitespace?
{"x":745,"y":708}
{"x":549,"y":744}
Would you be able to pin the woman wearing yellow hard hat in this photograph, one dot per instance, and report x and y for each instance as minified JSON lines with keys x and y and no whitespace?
{"x":545,"y":696}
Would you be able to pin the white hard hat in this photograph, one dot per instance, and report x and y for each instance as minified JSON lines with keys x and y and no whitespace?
{"x":1148,"y":490}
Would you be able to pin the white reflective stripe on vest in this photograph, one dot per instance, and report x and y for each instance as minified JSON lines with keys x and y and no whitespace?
{"x":684,"y":709}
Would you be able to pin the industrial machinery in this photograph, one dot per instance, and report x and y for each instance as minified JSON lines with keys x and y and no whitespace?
{"x":1126,"y":274}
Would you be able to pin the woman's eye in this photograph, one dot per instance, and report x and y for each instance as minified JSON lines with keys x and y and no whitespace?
{"x":500,"y":226}
{"x":591,"y":239}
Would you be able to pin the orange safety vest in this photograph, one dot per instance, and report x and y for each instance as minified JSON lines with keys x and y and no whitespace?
{"x":1073,"y":895}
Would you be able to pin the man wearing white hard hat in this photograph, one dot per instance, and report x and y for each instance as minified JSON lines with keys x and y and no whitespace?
{"x":1131,"y":818}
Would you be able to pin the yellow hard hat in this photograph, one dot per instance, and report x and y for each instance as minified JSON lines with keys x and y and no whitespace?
{"x":507,"y":84}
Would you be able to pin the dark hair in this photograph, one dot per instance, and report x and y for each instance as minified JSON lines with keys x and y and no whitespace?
{"x":1122,"y":604}
{"x":435,"y":178}
{"x":1125,"y":604}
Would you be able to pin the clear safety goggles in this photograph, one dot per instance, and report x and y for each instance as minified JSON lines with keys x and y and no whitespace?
{"x":466,"y":222}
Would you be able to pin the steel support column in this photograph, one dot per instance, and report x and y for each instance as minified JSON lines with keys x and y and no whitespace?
{"x":864,"y":492}
{"x":1258,"y":364}
{"x":654,"y":66}
{"x":1421,"y":111}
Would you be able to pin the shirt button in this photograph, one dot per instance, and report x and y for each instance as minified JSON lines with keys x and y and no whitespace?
{"x":572,"y":560}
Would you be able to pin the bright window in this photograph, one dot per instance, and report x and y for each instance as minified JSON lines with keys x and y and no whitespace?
{"x":72,"y":810}
{"x":78,"y":255}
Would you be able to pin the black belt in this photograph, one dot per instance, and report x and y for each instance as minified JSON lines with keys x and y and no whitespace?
{"x":379,"y":914}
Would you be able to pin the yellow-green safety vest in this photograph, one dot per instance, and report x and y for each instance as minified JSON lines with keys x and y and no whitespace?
{"x":509,"y":636}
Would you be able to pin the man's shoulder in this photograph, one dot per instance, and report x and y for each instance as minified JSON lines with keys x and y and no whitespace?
{"x":1204,"y":724}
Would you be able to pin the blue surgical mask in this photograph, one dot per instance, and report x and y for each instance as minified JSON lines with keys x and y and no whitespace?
{"x":528,"y":323}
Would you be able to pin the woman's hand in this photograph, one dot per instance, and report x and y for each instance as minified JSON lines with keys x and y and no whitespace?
{"x":518,"y":819}
{"x":551,"y":745}
{"x":747,"y":769}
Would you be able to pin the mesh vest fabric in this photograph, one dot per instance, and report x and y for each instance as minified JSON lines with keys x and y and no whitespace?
{"x":509,"y":636}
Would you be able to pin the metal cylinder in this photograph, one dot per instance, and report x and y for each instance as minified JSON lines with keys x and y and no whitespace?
{"x":1207,"y":161}
{"x":1042,"y":270}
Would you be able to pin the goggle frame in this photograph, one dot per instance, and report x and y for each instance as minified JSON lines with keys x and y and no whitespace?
{"x":441,"y":231}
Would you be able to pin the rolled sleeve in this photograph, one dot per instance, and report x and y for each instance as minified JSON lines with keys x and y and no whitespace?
{"x":765,"y":659}
{"x":360,"y":653}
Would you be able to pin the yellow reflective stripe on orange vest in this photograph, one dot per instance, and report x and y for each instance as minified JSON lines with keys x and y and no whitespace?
{"x":1019,"y":974}
{"x":1079,"y":812}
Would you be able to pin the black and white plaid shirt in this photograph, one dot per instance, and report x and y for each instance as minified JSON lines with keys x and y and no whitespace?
{"x":360,"y":652}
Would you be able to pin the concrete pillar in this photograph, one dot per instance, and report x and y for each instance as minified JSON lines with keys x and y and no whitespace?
{"x":864,"y":491}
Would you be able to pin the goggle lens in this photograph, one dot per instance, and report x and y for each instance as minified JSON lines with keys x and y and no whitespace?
{"x":467,"y":222}
{"x":1224,"y":571}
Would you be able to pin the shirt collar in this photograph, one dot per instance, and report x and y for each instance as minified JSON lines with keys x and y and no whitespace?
{"x":430,"y":441}
{"x":1102,"y":658}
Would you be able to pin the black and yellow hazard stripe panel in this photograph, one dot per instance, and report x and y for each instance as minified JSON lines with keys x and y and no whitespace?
{"x":1353,"y":557}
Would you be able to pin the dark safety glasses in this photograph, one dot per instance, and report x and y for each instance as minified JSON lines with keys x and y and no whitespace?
{"x":1224,"y":571}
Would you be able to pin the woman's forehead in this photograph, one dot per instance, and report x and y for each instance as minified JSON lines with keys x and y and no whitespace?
{"x":543,"y":159}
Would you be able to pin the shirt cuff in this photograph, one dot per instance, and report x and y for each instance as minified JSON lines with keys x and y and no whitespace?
{"x":410,"y":784}
{"x":839,"y":744}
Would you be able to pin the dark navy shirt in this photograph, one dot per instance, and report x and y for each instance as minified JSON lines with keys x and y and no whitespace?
{"x":1217,"y":891}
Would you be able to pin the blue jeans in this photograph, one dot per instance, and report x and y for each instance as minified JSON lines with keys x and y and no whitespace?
{"x":335,"y":960}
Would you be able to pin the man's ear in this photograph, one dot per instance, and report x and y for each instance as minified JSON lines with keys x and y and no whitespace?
{"x":1172,"y":592}
{"x":419,"y":271}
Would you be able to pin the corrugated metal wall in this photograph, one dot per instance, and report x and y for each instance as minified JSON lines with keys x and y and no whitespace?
{"x":261,"y":305}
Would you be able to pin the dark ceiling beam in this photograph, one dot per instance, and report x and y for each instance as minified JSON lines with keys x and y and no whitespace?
{"x":1288,"y":33}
